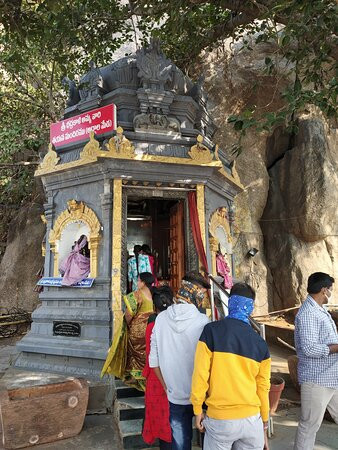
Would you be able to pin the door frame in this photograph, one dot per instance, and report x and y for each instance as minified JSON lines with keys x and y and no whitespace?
{"x":119,"y":229}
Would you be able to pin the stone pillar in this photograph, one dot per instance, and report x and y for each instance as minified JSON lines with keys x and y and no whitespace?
{"x":49,"y":257}
{"x":106,"y":242}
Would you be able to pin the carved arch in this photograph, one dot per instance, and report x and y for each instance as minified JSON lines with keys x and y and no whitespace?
{"x":219,"y":218}
{"x":77,"y":211}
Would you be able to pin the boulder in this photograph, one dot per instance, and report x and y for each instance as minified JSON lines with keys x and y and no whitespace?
{"x":288,"y":207}
{"x":22,"y":259}
{"x":300,"y":219}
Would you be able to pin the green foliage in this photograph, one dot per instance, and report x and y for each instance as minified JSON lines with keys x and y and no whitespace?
{"x":184,"y":28}
{"x":304,"y":34}
{"x":41,"y":41}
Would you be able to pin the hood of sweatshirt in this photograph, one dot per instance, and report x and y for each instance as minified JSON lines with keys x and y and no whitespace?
{"x":181,"y":316}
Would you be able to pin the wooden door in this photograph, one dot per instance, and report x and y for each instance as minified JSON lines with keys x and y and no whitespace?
{"x":176,"y":245}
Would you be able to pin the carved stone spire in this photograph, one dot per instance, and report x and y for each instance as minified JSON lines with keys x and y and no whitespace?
{"x":91,"y":84}
{"x":154,"y":68}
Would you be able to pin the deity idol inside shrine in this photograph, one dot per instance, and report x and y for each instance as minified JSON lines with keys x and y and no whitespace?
{"x":131,"y":162}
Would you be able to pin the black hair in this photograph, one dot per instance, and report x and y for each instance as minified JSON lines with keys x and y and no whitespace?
{"x":84,"y":250}
{"x":243,"y":289}
{"x":147,"y":278}
{"x":317,"y":281}
{"x":146,"y":249}
{"x":137,"y":249}
{"x":163,"y":298}
{"x":197,"y":278}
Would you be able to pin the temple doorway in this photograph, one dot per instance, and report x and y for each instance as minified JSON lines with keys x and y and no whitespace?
{"x":159,"y":223}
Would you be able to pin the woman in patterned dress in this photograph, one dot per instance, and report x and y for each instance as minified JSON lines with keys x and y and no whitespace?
{"x":137,"y":264}
{"x":127,"y":354}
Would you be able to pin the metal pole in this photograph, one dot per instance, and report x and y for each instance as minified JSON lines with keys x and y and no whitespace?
{"x":270,"y":420}
{"x":212,"y":301}
{"x":262,"y":330}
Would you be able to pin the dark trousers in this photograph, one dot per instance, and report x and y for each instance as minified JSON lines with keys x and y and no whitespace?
{"x":181,"y":426}
{"x":165,"y":445}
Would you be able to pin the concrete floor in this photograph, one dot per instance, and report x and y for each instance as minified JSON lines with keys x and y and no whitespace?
{"x":285,"y":425}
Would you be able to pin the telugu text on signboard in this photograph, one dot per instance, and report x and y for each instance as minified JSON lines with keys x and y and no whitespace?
{"x":77,"y":128}
{"x":72,"y":329}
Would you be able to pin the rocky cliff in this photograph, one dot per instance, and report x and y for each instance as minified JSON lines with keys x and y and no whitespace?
{"x":22,"y":259}
{"x":288,"y":210}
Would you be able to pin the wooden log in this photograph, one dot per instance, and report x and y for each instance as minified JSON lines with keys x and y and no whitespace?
{"x":40,"y":414}
{"x":17,"y":322}
{"x":280,"y":311}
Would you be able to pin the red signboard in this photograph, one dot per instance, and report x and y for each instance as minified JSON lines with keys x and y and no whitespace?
{"x":77,"y":128}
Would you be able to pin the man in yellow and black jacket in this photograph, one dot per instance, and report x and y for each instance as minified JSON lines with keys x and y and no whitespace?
{"x":232,"y":376}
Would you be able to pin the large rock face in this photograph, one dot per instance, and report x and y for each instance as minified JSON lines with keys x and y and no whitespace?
{"x":288,"y":208}
{"x":22,"y":259}
{"x":300,"y":218}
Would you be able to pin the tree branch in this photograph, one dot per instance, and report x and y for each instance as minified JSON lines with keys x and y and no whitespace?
{"x":224,"y":29}
{"x":19,"y":99}
{"x":19,"y":164}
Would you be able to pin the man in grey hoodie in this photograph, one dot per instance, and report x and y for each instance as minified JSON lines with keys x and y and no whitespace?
{"x":173,"y":344}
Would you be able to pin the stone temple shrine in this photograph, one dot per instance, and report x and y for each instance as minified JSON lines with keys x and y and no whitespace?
{"x":132,"y":161}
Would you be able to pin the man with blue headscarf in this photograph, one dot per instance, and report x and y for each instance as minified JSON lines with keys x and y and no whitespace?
{"x":232,"y":375}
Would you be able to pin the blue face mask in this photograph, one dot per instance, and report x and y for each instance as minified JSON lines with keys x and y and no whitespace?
{"x":240,"y":308}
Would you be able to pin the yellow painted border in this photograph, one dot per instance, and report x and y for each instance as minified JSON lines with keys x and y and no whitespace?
{"x":117,"y":251}
{"x":77,"y":211}
{"x":92,"y":153}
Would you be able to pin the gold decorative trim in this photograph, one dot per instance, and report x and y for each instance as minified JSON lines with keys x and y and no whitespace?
{"x":77,"y":211}
{"x":234,"y":173}
{"x":49,"y":161}
{"x":117,"y":251}
{"x":175,"y":160}
{"x":213,"y":245}
{"x":43,"y":245}
{"x":200,"y":152}
{"x":119,"y":146}
{"x":89,"y":154}
{"x":234,"y":177}
{"x":201,"y":211}
{"x":91,"y":150}
{"x":220,"y":219}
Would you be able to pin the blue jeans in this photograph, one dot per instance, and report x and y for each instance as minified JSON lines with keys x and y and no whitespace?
{"x":181,"y":426}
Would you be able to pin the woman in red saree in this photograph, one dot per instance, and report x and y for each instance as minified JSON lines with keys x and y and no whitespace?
{"x":156,"y":421}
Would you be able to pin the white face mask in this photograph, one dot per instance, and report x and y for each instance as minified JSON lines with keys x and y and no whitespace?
{"x":329,"y":298}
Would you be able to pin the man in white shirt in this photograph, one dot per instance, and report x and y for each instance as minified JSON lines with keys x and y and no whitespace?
{"x":316,"y":341}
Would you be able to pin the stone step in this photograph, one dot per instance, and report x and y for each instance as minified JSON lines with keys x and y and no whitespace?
{"x":127,"y":392}
{"x":131,"y":431}
{"x":119,"y":383}
{"x":131,"y":408}
{"x":131,"y":415}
